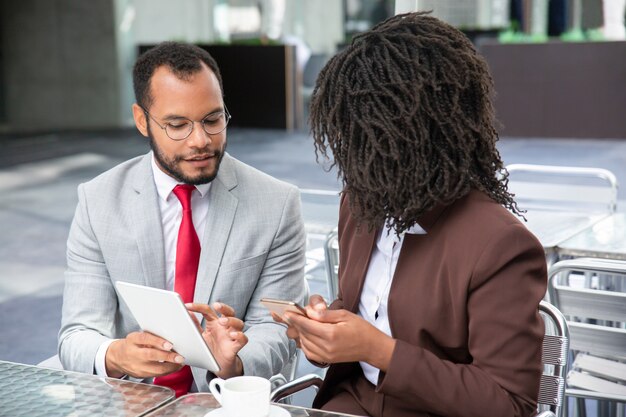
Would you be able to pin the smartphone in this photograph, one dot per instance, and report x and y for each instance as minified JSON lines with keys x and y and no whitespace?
{"x":281,"y":306}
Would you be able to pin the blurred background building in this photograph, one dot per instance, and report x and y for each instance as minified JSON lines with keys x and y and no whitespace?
{"x":66,"y":64}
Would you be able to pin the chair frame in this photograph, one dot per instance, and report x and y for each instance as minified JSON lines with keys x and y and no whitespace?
{"x":605,"y":195}
{"x":554,"y":358}
{"x":292,"y":387}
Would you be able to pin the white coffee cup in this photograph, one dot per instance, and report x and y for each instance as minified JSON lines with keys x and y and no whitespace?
{"x":242,"y":396}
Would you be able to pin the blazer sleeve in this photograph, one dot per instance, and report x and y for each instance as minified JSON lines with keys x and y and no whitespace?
{"x":268,"y":349}
{"x":505,"y":335}
{"x":89,"y":299}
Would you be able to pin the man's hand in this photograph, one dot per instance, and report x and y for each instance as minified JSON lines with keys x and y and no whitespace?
{"x":141,"y":355}
{"x":223,"y":334}
{"x":333,"y":336}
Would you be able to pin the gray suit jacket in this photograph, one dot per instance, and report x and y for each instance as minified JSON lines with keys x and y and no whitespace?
{"x":253,"y":247}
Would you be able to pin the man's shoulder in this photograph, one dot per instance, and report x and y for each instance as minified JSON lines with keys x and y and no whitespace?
{"x":117,"y":176}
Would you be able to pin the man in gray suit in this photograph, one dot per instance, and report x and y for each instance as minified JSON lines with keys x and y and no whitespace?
{"x":246,"y":227}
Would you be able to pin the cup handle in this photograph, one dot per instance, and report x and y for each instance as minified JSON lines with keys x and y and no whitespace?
{"x":216,"y":386}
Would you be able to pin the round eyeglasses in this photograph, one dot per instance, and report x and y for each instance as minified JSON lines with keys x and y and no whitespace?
{"x":181,"y":127}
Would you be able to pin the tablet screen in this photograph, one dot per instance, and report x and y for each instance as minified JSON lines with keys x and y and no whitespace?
{"x":163,"y":313}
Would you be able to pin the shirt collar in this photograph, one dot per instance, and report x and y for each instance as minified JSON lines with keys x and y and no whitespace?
{"x":165,"y":184}
{"x":388,"y":238}
{"x":416,"y":229}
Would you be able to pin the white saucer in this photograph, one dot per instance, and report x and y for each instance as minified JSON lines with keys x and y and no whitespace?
{"x":275,"y":411}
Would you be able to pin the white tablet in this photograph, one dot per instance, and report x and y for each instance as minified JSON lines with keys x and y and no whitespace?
{"x":163,"y":313}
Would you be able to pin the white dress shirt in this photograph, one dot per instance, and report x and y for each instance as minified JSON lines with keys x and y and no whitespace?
{"x":375,"y":294}
{"x":171,"y":217}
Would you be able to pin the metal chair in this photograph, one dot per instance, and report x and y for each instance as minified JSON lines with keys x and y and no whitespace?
{"x":548,"y":187}
{"x":319,"y":211}
{"x":554,"y":359}
{"x":292,"y":387}
{"x":597,"y":325}
{"x":561,"y":201}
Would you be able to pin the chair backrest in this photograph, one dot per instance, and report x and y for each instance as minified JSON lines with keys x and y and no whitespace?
{"x":331,"y":251}
{"x":320,"y":210}
{"x":563,"y":188}
{"x":554,"y":359}
{"x":597,"y":324}
{"x":604,"y":333}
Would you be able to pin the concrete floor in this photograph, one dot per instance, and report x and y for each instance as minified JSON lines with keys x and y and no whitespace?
{"x":39,"y":176}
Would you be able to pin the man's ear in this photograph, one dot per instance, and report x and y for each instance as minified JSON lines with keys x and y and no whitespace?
{"x":140,"y":119}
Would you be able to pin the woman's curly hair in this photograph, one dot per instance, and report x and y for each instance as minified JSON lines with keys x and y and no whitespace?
{"x":406,"y":111}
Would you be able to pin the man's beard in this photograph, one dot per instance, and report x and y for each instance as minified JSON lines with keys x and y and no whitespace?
{"x":171,"y":166}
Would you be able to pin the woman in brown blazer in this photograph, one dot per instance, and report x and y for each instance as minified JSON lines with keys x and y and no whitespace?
{"x":439,"y":282}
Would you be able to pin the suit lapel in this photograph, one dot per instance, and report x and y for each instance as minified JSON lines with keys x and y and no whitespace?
{"x":147,"y":226}
{"x":220,"y":217}
{"x":361,"y":253}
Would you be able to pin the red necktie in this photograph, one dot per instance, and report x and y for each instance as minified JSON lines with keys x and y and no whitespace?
{"x":187,"y":258}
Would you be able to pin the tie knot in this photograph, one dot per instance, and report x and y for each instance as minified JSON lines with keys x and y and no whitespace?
{"x":183,"y":192}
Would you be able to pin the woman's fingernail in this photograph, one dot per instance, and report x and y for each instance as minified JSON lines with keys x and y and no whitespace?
{"x":179,"y":359}
{"x":167,"y":346}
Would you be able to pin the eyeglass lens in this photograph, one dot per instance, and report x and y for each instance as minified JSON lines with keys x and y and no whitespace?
{"x":212,"y":124}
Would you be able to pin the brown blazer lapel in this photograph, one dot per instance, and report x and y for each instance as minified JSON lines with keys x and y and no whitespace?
{"x":360,"y":252}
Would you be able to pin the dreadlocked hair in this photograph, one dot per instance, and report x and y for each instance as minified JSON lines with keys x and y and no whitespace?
{"x":406,"y":112}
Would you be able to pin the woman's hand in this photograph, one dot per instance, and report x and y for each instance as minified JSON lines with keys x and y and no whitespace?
{"x":332,"y":336}
{"x":316,"y":303}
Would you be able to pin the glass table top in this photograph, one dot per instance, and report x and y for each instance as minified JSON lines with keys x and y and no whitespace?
{"x":34,"y":391}
{"x":199,"y":404}
{"x":605,"y":239}
{"x":554,"y":227}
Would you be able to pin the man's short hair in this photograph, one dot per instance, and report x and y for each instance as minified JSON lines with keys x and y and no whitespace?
{"x":182,"y":59}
